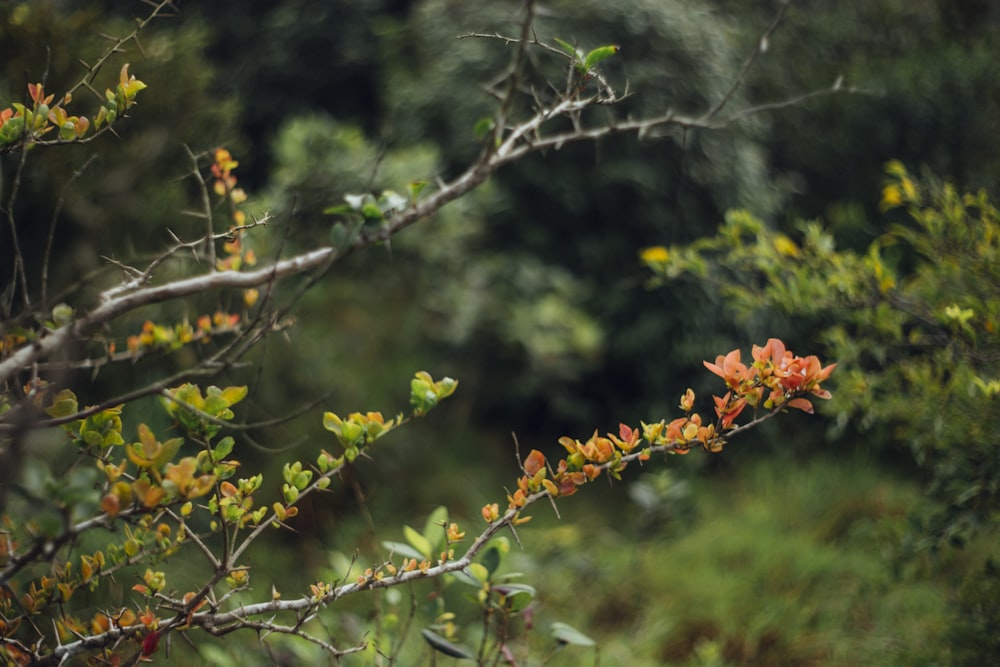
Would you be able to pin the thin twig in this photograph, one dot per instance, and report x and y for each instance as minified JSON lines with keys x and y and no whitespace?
{"x":50,"y":238}
{"x":206,"y":205}
{"x":19,"y":272}
{"x":760,"y":48}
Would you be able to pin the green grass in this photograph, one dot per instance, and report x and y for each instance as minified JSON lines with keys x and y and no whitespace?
{"x":781,"y":565}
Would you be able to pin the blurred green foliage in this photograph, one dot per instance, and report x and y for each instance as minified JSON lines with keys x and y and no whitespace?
{"x":776,"y":563}
{"x":913,"y":321}
{"x":928,"y":65}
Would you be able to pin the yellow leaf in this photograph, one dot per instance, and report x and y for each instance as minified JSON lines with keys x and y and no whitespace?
{"x":234,"y":395}
{"x":655,"y":255}
{"x":891,"y":198}
{"x":785,"y":246}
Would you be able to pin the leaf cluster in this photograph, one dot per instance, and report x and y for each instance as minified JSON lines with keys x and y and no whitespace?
{"x":913,"y":319}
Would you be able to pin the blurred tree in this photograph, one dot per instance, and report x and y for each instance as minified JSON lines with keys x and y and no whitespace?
{"x":298,"y":57}
{"x":545,"y":231}
{"x":929,"y":65}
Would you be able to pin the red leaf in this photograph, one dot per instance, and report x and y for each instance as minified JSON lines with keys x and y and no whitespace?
{"x":150,"y":643}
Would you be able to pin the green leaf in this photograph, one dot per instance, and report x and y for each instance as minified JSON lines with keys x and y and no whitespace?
{"x":187,"y":393}
{"x":518,"y":596}
{"x":64,"y":405}
{"x":422,"y":396}
{"x":464,"y":577}
{"x":351,"y":433}
{"x":358,"y":202}
{"x":392,"y":201}
{"x":483,"y":127}
{"x":442,"y":645}
{"x":573,"y":52}
{"x":491,"y":559}
{"x":414,"y":188}
{"x":339,"y":209}
{"x":435,"y":527}
{"x":418,"y":542}
{"x":62,"y":314}
{"x":566,"y":634}
{"x":331,"y":422}
{"x":371,"y":211}
{"x":599,"y":54}
{"x":215,"y":405}
{"x":405,"y":550}
{"x":445,"y":387}
{"x":290,"y":470}
{"x":223,"y":449}
{"x":478,"y":573}
{"x":302,"y":479}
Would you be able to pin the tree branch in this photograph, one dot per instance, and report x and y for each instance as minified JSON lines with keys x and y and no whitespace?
{"x":115,"y":307}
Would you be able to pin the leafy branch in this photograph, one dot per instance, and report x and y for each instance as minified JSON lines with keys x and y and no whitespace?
{"x":775,"y":381}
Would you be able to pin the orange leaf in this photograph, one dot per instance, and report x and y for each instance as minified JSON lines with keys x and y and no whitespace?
{"x":110,"y":505}
{"x":801,"y":404}
{"x":534,"y":462}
